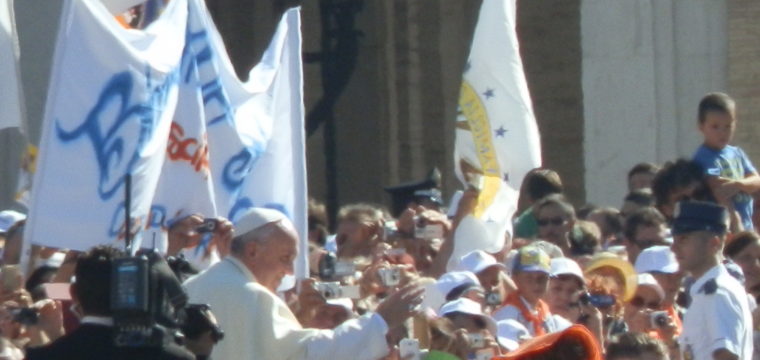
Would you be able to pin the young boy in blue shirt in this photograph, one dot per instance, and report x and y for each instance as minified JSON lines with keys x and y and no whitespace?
{"x":730,"y":173}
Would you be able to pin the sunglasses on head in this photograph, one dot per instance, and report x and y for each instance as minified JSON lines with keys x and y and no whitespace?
{"x":554,"y":221}
{"x":638,"y":302}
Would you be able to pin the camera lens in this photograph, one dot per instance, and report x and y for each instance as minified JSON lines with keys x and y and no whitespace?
{"x":493,"y":298}
{"x":661,"y":320}
{"x":585,"y":299}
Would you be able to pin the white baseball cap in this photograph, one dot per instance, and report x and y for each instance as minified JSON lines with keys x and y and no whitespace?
{"x":649,"y":280}
{"x":9,"y":218}
{"x":656,"y":259}
{"x":469,"y":307}
{"x":510,"y":333}
{"x":453,"y":279}
{"x":565,"y":266}
{"x":477,"y":261}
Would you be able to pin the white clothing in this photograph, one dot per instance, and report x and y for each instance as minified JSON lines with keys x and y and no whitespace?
{"x":259,"y":325}
{"x":718,"y":317}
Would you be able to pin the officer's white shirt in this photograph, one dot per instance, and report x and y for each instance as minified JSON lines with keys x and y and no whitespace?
{"x":718,"y":317}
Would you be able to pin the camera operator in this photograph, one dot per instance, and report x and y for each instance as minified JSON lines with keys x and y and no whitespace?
{"x":94,"y":338}
{"x":242,"y":291}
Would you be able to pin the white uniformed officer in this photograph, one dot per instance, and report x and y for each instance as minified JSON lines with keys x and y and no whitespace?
{"x":718,"y":323}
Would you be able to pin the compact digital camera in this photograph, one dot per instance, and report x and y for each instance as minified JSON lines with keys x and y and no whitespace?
{"x":597,"y":300}
{"x":389,"y":276}
{"x":425,"y":231}
{"x":333,"y":290}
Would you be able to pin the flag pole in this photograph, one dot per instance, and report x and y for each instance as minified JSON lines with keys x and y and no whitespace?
{"x":127,"y":212}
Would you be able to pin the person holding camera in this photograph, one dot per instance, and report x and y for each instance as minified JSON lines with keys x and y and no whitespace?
{"x":194,"y":232}
{"x":566,"y":282}
{"x":661,"y":263}
{"x":568,"y":298}
{"x":242,"y":290}
{"x":480,"y":328}
{"x":643,"y":312}
{"x":94,"y":338}
{"x":718,"y":322}
{"x":360,"y":229}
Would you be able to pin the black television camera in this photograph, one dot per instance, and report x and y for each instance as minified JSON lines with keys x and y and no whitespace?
{"x":146,"y":299}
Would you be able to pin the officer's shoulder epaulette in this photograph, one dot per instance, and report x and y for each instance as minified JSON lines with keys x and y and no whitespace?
{"x":709,"y":287}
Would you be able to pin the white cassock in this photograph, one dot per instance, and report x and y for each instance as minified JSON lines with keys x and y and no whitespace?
{"x":259,"y":325}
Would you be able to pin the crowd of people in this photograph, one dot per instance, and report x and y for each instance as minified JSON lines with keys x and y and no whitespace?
{"x":674,"y":273}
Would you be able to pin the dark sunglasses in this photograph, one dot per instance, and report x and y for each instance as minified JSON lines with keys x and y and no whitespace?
{"x":638,"y":302}
{"x":557,"y":221}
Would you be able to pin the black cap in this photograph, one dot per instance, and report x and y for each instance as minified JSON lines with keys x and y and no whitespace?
{"x":403,"y":194}
{"x":692,"y":216}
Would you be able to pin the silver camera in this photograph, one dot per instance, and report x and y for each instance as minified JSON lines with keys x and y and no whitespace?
{"x":329,"y":290}
{"x":389,"y":276}
{"x":334,"y":290}
{"x":425,"y":231}
{"x":476,"y":341}
{"x":493,"y":298}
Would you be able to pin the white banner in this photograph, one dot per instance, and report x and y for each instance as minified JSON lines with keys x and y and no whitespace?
{"x":254,"y":149}
{"x":106,"y":116}
{"x":497,"y":140}
{"x":10,"y":86}
{"x":166,"y":106}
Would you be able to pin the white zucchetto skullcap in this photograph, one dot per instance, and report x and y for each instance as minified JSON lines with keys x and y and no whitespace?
{"x":255,"y":218}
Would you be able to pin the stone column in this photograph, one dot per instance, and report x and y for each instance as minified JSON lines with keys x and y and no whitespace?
{"x":744,"y":72}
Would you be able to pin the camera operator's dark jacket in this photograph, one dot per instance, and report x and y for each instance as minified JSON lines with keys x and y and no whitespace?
{"x":92,"y":341}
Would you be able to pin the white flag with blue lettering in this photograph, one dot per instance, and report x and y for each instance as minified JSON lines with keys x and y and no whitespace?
{"x":10,"y":89}
{"x":108,"y":114}
{"x":497,"y":140}
{"x":166,"y":106}
{"x":255,"y":129}
{"x":253,"y":147}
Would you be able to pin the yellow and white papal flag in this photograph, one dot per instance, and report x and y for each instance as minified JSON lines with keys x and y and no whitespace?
{"x":497,"y":140}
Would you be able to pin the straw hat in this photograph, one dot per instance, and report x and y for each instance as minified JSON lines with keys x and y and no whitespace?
{"x":624,"y":268}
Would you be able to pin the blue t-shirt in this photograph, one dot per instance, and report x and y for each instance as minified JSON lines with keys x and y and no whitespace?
{"x":732,"y":163}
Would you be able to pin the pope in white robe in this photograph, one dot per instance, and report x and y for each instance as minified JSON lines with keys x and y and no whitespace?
{"x":258,"y":324}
